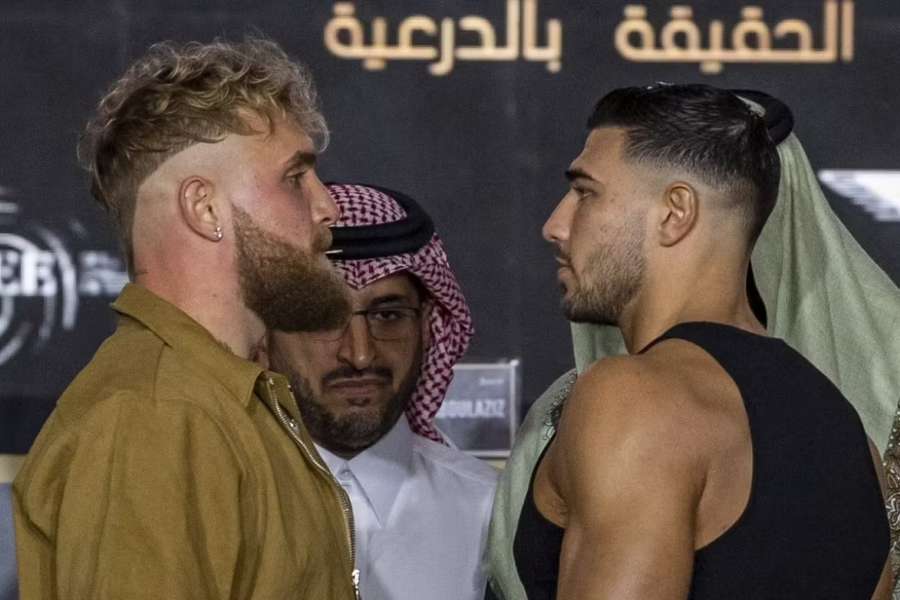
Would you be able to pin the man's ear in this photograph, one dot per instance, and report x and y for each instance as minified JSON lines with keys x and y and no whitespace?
{"x":425,"y":323}
{"x":680,"y":204}
{"x":196,"y":202}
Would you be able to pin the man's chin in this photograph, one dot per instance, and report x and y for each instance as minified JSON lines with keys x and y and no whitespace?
{"x":355,"y":431}
{"x":357,"y":418}
{"x":570,"y":310}
{"x":579,"y":314}
{"x":359,"y":411}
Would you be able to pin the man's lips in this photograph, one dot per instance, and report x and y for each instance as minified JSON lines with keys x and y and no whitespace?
{"x":358,"y":392}
{"x":357,"y":383}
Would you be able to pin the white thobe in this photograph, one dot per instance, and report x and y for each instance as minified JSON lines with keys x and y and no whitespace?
{"x":421,"y":513}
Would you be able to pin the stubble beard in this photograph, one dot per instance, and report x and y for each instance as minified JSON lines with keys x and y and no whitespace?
{"x":611,"y":280}
{"x":288,"y":288}
{"x":350,"y":434}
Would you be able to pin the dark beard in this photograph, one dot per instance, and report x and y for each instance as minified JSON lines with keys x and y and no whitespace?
{"x":612,"y":279}
{"x":286,"y":287}
{"x":601,"y":307}
{"x":350,"y":434}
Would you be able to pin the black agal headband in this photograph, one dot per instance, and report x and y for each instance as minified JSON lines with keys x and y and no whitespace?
{"x":386,"y":239}
{"x":779,"y":122}
{"x":778,"y":117}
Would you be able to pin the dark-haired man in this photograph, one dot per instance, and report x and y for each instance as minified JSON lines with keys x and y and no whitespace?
{"x":369,"y":389}
{"x":691,"y":467}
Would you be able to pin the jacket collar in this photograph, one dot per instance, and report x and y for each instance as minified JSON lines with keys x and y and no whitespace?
{"x":182,"y":333}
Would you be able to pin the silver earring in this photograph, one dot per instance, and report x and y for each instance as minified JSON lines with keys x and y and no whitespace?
{"x":218,"y":233}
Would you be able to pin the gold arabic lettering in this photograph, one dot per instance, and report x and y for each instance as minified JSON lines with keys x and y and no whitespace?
{"x":751,"y":38}
{"x":345,"y":37}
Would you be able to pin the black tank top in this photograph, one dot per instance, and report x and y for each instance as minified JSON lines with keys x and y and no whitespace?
{"x":814,"y":525}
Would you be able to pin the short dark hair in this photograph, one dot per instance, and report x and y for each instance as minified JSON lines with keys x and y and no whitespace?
{"x":708,"y":131}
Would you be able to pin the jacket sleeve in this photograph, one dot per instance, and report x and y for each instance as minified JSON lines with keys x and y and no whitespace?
{"x":149,"y":500}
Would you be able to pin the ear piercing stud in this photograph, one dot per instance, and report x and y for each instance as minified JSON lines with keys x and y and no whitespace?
{"x":218,"y":233}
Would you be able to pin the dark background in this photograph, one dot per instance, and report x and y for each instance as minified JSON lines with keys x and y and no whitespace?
{"x":482,"y":148}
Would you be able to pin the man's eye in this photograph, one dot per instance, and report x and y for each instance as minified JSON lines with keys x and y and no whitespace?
{"x":387,"y":314}
{"x":296,"y":178}
{"x":580,"y":191}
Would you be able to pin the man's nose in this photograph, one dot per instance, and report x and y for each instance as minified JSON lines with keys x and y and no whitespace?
{"x":556,"y":228}
{"x":356,"y":347}
{"x":324,"y":209}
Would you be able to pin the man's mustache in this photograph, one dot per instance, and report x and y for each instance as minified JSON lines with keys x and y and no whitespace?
{"x":351,"y":373}
{"x":322,"y":241}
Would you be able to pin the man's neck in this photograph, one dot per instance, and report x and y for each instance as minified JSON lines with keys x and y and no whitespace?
{"x":718,"y":299}
{"x":221,"y":313}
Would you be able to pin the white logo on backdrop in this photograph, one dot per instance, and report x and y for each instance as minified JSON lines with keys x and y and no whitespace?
{"x":43,"y":278}
{"x":877,"y":192}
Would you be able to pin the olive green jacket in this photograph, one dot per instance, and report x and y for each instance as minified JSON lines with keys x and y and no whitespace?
{"x":171,"y":468}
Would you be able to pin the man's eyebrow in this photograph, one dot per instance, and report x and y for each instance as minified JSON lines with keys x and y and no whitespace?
{"x":389,"y":299}
{"x":301,"y":159}
{"x":574,"y":173}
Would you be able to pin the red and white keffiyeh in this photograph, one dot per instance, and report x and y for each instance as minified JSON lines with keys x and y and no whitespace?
{"x":451,"y":321}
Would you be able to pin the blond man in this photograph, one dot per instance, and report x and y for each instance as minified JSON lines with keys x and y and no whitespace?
{"x":174,"y":466}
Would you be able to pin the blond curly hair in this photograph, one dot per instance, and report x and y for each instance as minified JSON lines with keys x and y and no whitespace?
{"x":178,"y":95}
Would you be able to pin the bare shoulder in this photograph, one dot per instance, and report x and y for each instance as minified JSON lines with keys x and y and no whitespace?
{"x":645,"y":389}
{"x":655,"y":408}
{"x":630,"y":426}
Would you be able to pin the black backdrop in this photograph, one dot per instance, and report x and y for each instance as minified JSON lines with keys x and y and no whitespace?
{"x":482,"y":147}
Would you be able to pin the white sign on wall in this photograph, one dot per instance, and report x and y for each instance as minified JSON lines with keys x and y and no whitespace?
{"x":480,"y":410}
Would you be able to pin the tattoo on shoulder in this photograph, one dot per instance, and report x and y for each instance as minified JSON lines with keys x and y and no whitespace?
{"x":551,"y":420}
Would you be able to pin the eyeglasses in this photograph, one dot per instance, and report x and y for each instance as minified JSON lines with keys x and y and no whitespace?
{"x":385,"y":324}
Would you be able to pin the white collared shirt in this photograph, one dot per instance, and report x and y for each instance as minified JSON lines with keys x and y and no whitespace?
{"x":421,"y":513}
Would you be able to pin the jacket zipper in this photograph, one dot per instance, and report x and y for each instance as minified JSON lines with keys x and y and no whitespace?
{"x":343,"y":499}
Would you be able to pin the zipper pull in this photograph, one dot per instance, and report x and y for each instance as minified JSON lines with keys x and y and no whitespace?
{"x":354,"y":575}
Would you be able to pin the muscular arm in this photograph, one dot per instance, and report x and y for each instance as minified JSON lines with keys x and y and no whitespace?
{"x":631,"y":474}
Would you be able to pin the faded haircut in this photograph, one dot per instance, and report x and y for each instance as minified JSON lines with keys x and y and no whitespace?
{"x":709,"y":132}
{"x":177,"y":95}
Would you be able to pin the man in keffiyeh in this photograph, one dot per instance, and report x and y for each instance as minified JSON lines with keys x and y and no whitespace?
{"x":369,"y":390}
